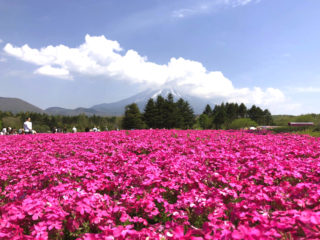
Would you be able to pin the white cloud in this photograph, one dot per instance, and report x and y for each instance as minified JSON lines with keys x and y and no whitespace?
{"x":53,"y":72}
{"x":2,"y":59}
{"x":1,"y":41}
{"x":98,"y":56}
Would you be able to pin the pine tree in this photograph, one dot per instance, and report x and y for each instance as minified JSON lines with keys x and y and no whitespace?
{"x":180,"y":119}
{"x":205,"y":121}
{"x":170,"y":112}
{"x":159,"y":118}
{"x":207,"y":110}
{"x":160,"y":114}
{"x":256,"y":114}
{"x":220,"y":115}
{"x":236,"y":110}
{"x":242,"y":111}
{"x":132,"y":117}
{"x":150,"y":114}
{"x":186,"y":117}
{"x":268,"y":120}
{"x":231,"y":113}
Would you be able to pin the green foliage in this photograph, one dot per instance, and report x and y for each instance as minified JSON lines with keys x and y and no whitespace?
{"x":242,"y":123}
{"x":292,"y":129}
{"x":283,"y":120}
{"x":242,"y":111}
{"x":205,"y":121}
{"x":219,"y":115}
{"x":311,"y":132}
{"x":305,"y":118}
{"x":170,"y":112}
{"x":159,"y":118}
{"x":186,"y":117}
{"x":207,"y":110}
{"x":45,"y":123}
{"x":223,"y":115}
{"x":150,"y":111}
{"x":165,"y":113}
{"x":132,"y":117}
{"x":262,"y":117}
{"x":159,"y":113}
{"x":13,"y":122}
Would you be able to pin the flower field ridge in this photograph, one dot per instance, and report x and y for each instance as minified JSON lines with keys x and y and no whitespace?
{"x":160,"y":184}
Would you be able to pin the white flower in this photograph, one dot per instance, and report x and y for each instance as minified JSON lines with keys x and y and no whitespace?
{"x":169,"y":234}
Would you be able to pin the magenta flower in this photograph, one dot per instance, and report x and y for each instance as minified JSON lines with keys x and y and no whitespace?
{"x":160,"y":184}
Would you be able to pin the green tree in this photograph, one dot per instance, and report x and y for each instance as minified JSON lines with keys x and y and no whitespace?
{"x":13,"y":122}
{"x":207,"y":110}
{"x":205,"y":121}
{"x":231,"y":113}
{"x":304,"y":118}
{"x":160,"y":114}
{"x":150,"y":114}
{"x":185,"y":117}
{"x":256,"y":114}
{"x":242,"y":123}
{"x":132,"y":117}
{"x":82,"y":122}
{"x":170,"y":112}
{"x":268,"y":120}
{"x":242,"y":111}
{"x":219,"y":115}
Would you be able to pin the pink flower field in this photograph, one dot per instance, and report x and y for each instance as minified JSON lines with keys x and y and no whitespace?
{"x":160,"y":184}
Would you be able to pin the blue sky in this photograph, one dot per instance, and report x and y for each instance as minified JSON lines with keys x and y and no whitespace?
{"x":80,"y":53}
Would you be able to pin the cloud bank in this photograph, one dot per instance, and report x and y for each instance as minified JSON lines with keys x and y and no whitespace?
{"x":99,"y":56}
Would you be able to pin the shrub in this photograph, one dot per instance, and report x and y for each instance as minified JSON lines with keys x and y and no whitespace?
{"x":242,"y":123}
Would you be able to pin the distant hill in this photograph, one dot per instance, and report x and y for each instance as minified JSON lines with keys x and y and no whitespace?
{"x":16,"y":105}
{"x":108,"y":109}
{"x":117,"y":108}
{"x":73,"y":112}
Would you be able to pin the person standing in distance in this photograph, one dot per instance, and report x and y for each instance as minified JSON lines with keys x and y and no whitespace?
{"x":27,"y":126}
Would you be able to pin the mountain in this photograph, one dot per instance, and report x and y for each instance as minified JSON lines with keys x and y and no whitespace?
{"x":16,"y":105}
{"x":73,"y":112}
{"x":117,"y":108}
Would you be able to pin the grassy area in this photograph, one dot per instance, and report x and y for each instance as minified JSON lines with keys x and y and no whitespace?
{"x":310,"y":132}
{"x":283,"y":120}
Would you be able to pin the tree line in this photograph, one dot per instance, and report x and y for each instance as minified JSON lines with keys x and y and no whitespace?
{"x":166,"y":113}
{"x":160,"y":113}
{"x":233,"y":115}
{"x":45,"y":123}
